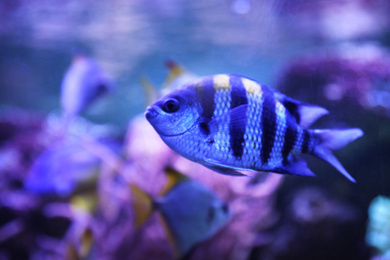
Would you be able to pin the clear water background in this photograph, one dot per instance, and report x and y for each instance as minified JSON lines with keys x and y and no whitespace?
{"x":131,"y":39}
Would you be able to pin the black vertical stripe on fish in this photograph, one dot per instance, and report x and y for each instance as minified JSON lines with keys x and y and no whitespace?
{"x":206,"y":95}
{"x":290,"y":137}
{"x":238,"y":120}
{"x":293,"y":109}
{"x":306,"y":141}
{"x":268,"y":125}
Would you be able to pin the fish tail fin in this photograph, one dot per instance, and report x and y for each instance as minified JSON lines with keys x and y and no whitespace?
{"x":334,"y":139}
{"x":150,"y":89}
{"x":175,"y":70}
{"x":142,"y":204}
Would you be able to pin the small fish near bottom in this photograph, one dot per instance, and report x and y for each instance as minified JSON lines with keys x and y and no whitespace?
{"x":189,"y":212}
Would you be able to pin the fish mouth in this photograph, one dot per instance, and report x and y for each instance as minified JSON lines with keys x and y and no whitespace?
{"x":150,"y":113}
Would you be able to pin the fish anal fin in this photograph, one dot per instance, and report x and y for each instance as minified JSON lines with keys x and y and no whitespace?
{"x":142,"y":204}
{"x":295,"y":167}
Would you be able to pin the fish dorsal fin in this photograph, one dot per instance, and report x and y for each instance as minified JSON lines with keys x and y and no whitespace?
{"x":142,"y":204}
{"x":304,"y":113}
{"x":173,"y":178}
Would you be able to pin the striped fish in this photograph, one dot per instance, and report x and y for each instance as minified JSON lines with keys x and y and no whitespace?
{"x":230,"y":124}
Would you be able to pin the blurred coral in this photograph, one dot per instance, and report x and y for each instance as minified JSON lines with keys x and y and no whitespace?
{"x":357,"y":74}
{"x":378,"y":226}
{"x":316,"y":226}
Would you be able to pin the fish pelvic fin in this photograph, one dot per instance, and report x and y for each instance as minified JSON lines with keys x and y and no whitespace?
{"x":334,"y":139}
{"x":221,"y":168}
{"x":142,"y":204}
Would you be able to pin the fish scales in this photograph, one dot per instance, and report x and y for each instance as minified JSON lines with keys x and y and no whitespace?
{"x":245,"y":146}
{"x":223,"y":102}
{"x":253,"y":129}
{"x":276,"y":156}
{"x":231,"y":123}
{"x":237,"y":131}
{"x":290,"y":138}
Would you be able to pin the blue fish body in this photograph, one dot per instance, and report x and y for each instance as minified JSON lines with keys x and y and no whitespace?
{"x":190,"y":212}
{"x":231,"y":123}
{"x":84,"y":82}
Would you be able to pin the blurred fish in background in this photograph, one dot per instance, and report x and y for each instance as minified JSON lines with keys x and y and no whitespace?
{"x":83,"y":83}
{"x":177,"y":76}
{"x":48,"y":174}
{"x":190,"y":212}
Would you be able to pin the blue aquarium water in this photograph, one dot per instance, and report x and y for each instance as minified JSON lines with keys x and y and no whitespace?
{"x":84,"y":175}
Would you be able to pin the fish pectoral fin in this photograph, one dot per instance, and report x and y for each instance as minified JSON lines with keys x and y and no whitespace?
{"x":295,"y":167}
{"x":221,"y":168}
{"x":236,"y":117}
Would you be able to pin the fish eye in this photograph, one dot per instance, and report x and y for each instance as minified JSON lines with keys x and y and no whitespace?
{"x":225,"y":208}
{"x":171,"y":105}
{"x":210,"y":214}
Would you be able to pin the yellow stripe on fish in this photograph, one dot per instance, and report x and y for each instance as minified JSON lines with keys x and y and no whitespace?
{"x":230,"y":123}
{"x":221,"y":82}
{"x":252,"y":87}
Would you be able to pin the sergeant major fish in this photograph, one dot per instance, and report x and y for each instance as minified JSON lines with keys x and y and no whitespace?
{"x":190,"y":212}
{"x":230,"y":123}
